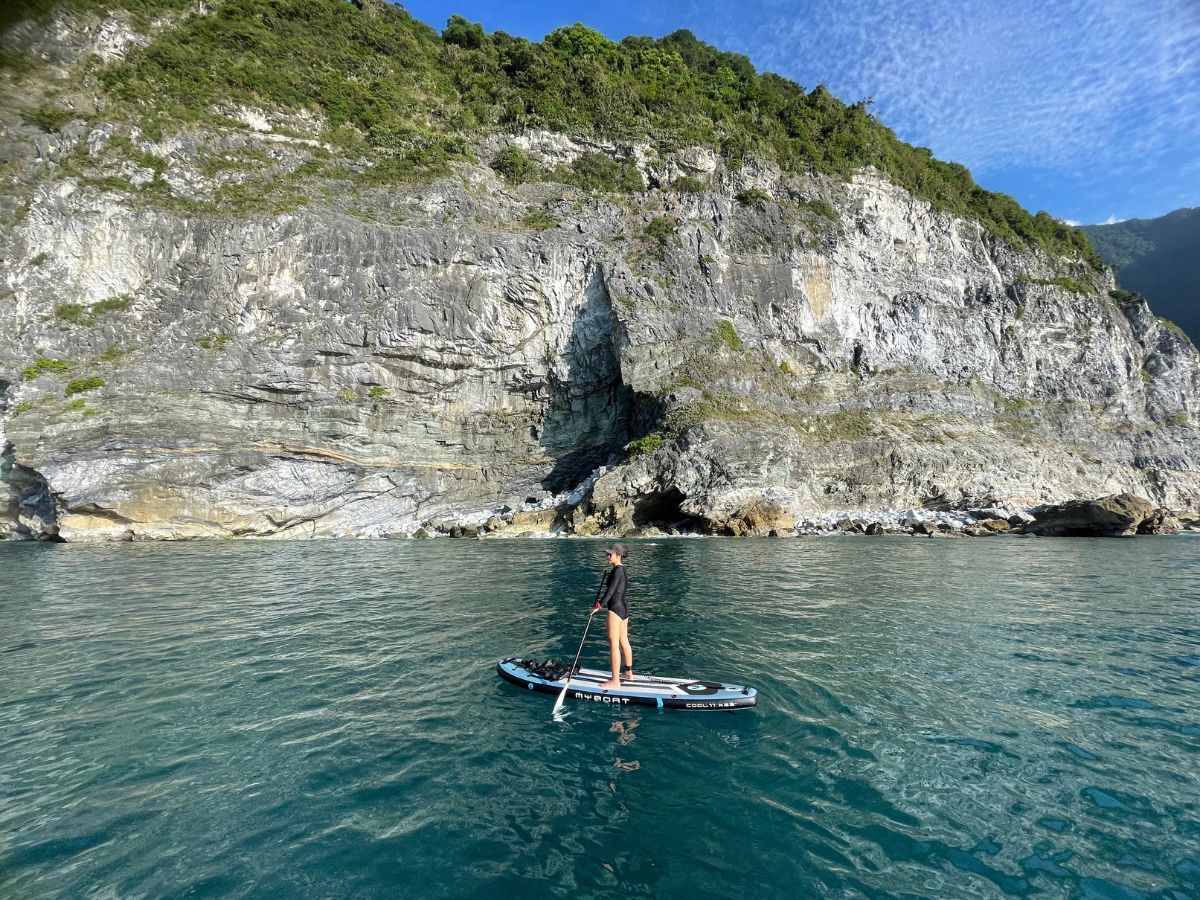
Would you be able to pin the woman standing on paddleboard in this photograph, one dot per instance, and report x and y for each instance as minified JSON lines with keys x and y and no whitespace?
{"x":618,"y":617}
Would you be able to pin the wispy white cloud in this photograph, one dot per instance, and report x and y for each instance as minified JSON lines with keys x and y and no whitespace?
{"x":1069,"y":86}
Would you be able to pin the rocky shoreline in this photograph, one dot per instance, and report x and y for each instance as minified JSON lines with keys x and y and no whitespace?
{"x":1121,"y":515}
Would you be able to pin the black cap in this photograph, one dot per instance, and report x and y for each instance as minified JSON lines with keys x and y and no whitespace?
{"x":617,"y":549}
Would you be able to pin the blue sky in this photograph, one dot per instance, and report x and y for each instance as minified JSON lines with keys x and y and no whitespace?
{"x":1089,"y":109}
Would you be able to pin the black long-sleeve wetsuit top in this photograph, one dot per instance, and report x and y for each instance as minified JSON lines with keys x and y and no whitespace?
{"x":614,"y":593}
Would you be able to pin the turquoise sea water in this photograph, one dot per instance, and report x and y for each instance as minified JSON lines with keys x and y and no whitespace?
{"x":974,"y":718}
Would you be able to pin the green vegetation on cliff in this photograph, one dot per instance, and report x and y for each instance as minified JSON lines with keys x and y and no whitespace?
{"x":393,"y":89}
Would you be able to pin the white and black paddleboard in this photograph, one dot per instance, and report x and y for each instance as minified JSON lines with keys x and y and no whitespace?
{"x":644,"y":690}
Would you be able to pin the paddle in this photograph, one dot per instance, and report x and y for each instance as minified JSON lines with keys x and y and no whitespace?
{"x":563,"y":694}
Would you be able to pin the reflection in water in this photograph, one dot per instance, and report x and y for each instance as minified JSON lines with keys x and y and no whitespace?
{"x":624,"y":730}
{"x":970,"y":718}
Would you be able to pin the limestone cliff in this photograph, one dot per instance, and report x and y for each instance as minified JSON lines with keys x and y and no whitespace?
{"x":367,"y":360}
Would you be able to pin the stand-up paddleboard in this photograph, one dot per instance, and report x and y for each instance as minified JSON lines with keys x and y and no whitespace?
{"x":549,"y":677}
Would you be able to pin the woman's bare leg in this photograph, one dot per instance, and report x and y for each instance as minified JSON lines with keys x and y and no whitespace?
{"x":614,"y":647}
{"x":626,"y":648}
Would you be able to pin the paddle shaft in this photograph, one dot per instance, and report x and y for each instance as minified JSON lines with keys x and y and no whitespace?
{"x":571,"y":671}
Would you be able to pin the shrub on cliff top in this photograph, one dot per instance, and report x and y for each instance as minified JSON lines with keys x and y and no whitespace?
{"x":466,"y":34}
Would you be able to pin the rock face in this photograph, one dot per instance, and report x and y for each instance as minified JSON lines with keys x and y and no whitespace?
{"x":1161,"y":521}
{"x":372,"y":361}
{"x":1115,"y":516}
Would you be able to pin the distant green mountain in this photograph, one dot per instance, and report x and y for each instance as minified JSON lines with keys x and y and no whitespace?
{"x":1159,"y":258}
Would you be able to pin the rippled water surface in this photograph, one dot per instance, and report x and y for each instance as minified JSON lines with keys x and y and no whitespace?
{"x":936,"y":718}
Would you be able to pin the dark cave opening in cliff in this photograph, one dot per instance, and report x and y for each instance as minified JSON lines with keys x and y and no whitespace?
{"x":662,"y":510}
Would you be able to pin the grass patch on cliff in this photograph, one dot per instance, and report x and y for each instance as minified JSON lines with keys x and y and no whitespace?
{"x":728,"y":335}
{"x":594,"y":171}
{"x":268,"y":193}
{"x":119,"y":303}
{"x":516,"y":166}
{"x":49,"y":117}
{"x":1074,"y":285}
{"x":79,"y":314}
{"x":113,"y":354}
{"x":644,"y":446}
{"x":688,"y":184}
{"x":1125,"y":298}
{"x":214,"y":342}
{"x":661,"y":228}
{"x":245,"y":159}
{"x":727,"y":406}
{"x":711,"y":364}
{"x":1173,"y":328}
{"x":752,"y":197}
{"x":83,"y":385}
{"x":260,"y":197}
{"x":45,"y":365}
{"x":820,"y":208}
{"x":539,"y":220}
{"x":590,"y":171}
{"x":845,"y":424}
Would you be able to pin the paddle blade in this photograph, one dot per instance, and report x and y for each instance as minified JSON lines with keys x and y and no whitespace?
{"x":558,"y":704}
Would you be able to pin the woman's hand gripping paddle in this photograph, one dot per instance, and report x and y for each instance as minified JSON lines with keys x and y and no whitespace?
{"x":558,"y":704}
